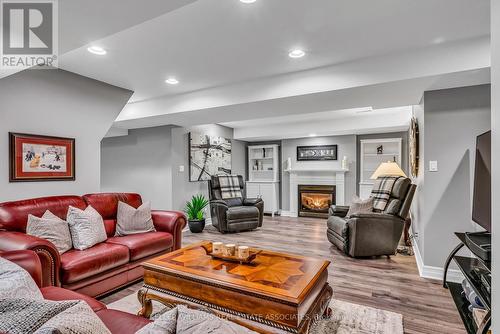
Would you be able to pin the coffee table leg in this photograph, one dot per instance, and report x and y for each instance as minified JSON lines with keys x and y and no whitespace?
{"x":147,"y":305}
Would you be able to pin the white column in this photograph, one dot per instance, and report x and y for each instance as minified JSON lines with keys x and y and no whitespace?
{"x":340,"y":188}
{"x":495,"y":160}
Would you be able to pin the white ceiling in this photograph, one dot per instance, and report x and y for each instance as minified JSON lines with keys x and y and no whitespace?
{"x":211,"y":43}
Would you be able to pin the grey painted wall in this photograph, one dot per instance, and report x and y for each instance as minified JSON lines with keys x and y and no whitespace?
{"x":139,"y":162}
{"x":183,"y":189}
{"x":57,"y":103}
{"x":346,"y":147}
{"x":453,"y":119}
{"x":404,"y":149}
{"x":147,"y":161}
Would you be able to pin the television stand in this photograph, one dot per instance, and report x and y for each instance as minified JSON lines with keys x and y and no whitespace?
{"x":470,"y":267}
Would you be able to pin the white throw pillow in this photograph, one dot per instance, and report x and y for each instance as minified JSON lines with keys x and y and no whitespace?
{"x":15,"y":282}
{"x":51,"y":228}
{"x":359,"y":205}
{"x":130,"y":220}
{"x":86,"y":227}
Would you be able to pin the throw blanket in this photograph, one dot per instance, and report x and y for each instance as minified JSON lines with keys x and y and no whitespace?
{"x":229,"y":186}
{"x":25,"y":316}
{"x":382,"y":189}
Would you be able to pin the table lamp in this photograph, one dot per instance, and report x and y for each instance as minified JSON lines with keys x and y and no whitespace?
{"x":389,"y":168}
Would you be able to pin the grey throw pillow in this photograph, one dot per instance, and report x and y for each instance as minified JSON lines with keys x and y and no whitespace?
{"x":132,"y":221}
{"x":51,"y":228}
{"x":359,"y":205}
{"x":86,"y":227}
{"x":15,"y":282}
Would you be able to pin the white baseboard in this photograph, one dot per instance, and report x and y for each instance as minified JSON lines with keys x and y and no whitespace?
{"x":454,"y":275}
{"x":288,"y":214}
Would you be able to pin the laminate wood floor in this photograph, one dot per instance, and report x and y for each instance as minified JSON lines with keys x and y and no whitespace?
{"x":386,"y":283}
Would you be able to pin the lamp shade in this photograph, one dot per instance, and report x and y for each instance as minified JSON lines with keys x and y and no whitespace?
{"x":389,"y":168}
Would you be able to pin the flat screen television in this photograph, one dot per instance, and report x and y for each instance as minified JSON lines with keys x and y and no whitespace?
{"x":481,"y":203}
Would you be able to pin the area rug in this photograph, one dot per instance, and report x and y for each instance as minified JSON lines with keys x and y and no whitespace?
{"x":347,"y":318}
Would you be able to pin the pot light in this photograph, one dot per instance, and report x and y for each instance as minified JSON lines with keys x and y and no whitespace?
{"x":297,"y":53}
{"x":172,"y":81}
{"x":248,"y":1}
{"x":312,"y":135}
{"x":97,"y":50}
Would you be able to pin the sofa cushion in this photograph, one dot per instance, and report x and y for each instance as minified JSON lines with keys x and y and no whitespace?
{"x":107,"y":203}
{"x":110,"y":226}
{"x":144,"y":244}
{"x":14,"y":215}
{"x":121,"y":322}
{"x":242,"y":213}
{"x":77,"y":265}
{"x":55,"y":293}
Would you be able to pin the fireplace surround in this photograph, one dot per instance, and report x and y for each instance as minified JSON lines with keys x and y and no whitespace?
{"x":314,"y":200}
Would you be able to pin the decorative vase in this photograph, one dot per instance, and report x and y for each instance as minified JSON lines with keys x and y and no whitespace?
{"x":196,"y":226}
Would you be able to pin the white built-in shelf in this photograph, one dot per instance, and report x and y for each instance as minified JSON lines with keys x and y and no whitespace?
{"x":370,"y":159}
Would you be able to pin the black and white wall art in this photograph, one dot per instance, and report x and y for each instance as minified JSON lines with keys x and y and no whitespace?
{"x":208,"y":155}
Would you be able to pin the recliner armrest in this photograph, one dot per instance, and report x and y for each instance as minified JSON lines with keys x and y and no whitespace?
{"x":46,"y":251}
{"x":338,"y":210}
{"x":251,"y":201}
{"x":172,"y":222}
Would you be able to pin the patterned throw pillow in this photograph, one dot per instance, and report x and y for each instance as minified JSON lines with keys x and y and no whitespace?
{"x":359,"y":205}
{"x":130,"y":220}
{"x":86,"y":227}
{"x":15,"y":282}
{"x":51,"y":228}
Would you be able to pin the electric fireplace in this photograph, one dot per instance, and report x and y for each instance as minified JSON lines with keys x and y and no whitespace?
{"x":315,"y":200}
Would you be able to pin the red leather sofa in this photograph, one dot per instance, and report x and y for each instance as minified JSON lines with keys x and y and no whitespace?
{"x":103,"y":267}
{"x":116,"y":321}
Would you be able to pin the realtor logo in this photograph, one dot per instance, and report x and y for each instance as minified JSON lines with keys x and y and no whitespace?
{"x":29,"y":34}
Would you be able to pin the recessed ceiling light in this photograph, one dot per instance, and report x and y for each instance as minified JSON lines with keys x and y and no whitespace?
{"x":172,"y":81}
{"x":297,"y":53}
{"x":312,"y":135}
{"x":97,"y":50}
{"x":248,"y":1}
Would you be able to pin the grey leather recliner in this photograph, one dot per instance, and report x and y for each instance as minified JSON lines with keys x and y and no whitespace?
{"x":374,"y":233}
{"x":234,"y":214}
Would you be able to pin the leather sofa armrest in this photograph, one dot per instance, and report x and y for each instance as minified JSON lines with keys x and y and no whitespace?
{"x":251,"y":201}
{"x":172,"y":222}
{"x":218,"y":213}
{"x":46,"y":251}
{"x":338,"y":210}
{"x":28,"y":260}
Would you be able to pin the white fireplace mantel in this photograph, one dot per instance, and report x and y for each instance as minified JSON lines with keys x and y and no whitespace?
{"x":334,"y":177}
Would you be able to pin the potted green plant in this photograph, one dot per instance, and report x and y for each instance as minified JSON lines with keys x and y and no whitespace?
{"x":195,"y":212}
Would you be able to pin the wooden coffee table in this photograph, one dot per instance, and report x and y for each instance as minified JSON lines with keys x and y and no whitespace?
{"x":277,"y":291}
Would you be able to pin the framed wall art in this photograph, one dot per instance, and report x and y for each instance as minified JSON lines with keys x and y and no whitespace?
{"x":208,"y":155}
{"x":315,"y":153}
{"x":41,"y":158}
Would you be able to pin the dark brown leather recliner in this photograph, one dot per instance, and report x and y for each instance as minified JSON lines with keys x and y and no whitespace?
{"x":234,"y":214}
{"x":374,"y":233}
